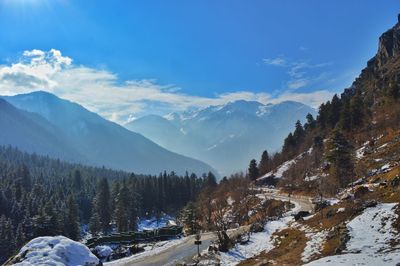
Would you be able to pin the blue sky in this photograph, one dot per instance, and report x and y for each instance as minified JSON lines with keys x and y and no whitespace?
{"x":200,"y":52}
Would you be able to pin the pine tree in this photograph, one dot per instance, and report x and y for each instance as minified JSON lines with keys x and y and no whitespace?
{"x":72,"y":219}
{"x":77,"y":183}
{"x":357,"y":110}
{"x":334,"y":112}
{"x":345,"y":117}
{"x":102,"y":206}
{"x":133,"y":210}
{"x":211,"y":180}
{"x":298,"y":133}
{"x":47,"y":222}
{"x":94,"y":223}
{"x":289,"y":146}
{"x":340,"y":156}
{"x":20,"y":236}
{"x":190,"y":218}
{"x":121,"y":209}
{"x":264,"y":164}
{"x":311,"y":123}
{"x":253,"y":172}
{"x":323,"y":114}
{"x":7,"y":240}
{"x":25,"y":177}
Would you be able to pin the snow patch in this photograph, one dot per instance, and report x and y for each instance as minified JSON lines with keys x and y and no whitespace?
{"x":385,"y":167}
{"x":230,"y":201}
{"x":370,"y":243}
{"x":262,"y":110}
{"x":312,"y":178}
{"x":57,"y":251}
{"x":279,"y":171}
{"x":340,"y":210}
{"x":314,"y":245}
{"x":103,"y":251}
{"x":258,"y":242}
{"x":154,"y":223}
{"x":383,"y":146}
{"x":360,"y":151}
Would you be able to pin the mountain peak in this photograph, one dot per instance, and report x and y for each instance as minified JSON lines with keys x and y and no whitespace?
{"x":389,"y":45}
{"x":39,"y":93}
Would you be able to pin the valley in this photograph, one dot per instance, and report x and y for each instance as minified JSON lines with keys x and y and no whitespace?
{"x":99,"y":168}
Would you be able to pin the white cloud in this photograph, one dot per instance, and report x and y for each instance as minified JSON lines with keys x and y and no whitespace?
{"x":277,"y":61}
{"x":298,"y":83}
{"x":298,"y":71}
{"x":313,"y":99}
{"x":101,"y":91}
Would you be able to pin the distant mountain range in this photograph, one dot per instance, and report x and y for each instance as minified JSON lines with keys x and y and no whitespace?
{"x":43,"y":123}
{"x":226,"y":136}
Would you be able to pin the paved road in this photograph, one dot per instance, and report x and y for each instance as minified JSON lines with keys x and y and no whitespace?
{"x":303,"y":201}
{"x":185,"y":251}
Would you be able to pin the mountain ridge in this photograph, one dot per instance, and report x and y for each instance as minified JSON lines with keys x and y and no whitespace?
{"x":104,"y":142}
{"x":213,"y":133}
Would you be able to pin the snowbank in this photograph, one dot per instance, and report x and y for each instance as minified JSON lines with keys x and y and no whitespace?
{"x":57,"y":251}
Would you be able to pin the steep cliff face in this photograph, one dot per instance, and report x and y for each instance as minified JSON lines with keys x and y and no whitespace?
{"x":379,"y":82}
{"x":389,"y":45}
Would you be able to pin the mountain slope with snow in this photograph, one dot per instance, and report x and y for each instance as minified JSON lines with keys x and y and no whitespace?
{"x":216,"y":133}
{"x":103,"y":142}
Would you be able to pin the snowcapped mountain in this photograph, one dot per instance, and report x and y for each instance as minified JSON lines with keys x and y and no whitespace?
{"x":224,"y":136}
{"x":102,"y":142}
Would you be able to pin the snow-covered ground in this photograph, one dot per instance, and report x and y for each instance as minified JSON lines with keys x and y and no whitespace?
{"x":280,"y":170}
{"x":360,"y":151}
{"x":370,"y":243}
{"x":314,"y":244}
{"x":258,"y":242}
{"x":154,"y":223}
{"x":56,"y":251}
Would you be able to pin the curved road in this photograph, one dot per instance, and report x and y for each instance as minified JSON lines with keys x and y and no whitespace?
{"x":186,"y":250}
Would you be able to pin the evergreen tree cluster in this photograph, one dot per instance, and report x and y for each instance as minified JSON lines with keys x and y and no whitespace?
{"x":344,"y":114}
{"x":40,"y":196}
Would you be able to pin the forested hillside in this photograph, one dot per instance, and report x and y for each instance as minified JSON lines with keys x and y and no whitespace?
{"x":42,"y":196}
{"x":344,"y":163}
{"x":366,"y":111}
